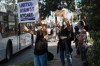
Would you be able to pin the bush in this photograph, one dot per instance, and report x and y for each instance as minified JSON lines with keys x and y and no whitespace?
{"x":93,"y":55}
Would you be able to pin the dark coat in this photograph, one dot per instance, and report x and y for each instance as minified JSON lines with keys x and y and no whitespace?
{"x":41,"y":45}
{"x":61,"y":45}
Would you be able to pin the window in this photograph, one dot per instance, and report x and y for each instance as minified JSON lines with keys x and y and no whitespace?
{"x":8,"y":27}
{"x":5,"y":18}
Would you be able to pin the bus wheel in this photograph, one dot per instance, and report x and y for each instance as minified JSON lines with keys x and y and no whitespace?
{"x":8,"y":52}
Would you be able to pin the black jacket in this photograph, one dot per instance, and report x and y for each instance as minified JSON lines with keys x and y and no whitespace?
{"x":61,"y":46}
{"x":41,"y":45}
{"x":64,"y":32}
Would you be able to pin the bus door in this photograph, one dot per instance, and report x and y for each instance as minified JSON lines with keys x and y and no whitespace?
{"x":22,"y":41}
{"x":25,"y":38}
{"x":28,"y":35}
{"x":12,"y":31}
{"x":21,"y":38}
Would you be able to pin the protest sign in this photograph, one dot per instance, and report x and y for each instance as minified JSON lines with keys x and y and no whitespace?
{"x":28,"y":11}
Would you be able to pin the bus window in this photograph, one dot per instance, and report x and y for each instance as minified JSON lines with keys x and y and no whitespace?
{"x":8,"y":28}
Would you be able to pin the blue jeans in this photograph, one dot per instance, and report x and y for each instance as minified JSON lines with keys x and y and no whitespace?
{"x":40,"y":60}
{"x":66,"y":53}
{"x":83,"y":51}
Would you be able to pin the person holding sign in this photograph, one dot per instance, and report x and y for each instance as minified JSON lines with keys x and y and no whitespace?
{"x":40,"y":51}
{"x":41,"y":45}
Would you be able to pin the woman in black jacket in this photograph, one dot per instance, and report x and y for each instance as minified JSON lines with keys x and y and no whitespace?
{"x":63,"y":46}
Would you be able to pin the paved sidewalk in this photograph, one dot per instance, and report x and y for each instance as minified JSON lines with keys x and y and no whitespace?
{"x":57,"y":62}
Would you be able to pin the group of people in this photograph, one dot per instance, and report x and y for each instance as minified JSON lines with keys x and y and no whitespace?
{"x":64,"y":48}
{"x":41,"y":45}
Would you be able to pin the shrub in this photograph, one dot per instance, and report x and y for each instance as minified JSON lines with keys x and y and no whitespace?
{"x":93,"y":55}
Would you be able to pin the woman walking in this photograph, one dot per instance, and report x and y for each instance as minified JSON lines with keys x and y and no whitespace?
{"x":81,"y":40}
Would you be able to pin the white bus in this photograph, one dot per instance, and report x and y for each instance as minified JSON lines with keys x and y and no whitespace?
{"x":12,"y":40}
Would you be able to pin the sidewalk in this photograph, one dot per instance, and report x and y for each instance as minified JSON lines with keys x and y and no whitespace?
{"x":56,"y":61}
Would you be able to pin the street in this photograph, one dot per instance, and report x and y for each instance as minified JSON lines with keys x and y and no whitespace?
{"x":27,"y":56}
{"x":76,"y":61}
{"x":23,"y":56}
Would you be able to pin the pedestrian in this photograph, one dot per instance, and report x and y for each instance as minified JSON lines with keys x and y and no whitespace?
{"x":63,"y":47}
{"x":51,"y":33}
{"x":76,"y":39}
{"x":81,"y":40}
{"x":71,"y":38}
{"x":86,"y":41}
{"x":40,"y":50}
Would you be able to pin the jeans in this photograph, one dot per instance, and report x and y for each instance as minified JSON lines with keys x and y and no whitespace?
{"x":66,"y":53}
{"x":83,"y":51}
{"x":40,"y":60}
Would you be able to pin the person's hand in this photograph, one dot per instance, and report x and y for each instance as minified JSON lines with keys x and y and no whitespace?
{"x":24,"y":28}
{"x":31,"y":32}
{"x":74,"y":41}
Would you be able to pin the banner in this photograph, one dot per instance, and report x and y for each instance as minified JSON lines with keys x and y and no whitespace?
{"x":28,"y":11}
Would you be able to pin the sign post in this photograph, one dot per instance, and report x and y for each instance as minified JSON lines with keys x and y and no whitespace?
{"x":28,"y":11}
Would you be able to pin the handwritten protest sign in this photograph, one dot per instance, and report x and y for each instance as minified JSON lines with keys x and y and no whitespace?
{"x":28,"y":11}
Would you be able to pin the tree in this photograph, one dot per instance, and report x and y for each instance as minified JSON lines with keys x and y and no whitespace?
{"x":46,"y":6}
{"x":91,"y":9}
{"x":9,"y":5}
{"x":70,"y":5}
{"x":52,"y":5}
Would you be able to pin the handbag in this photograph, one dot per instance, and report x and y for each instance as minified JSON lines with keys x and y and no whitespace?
{"x":50,"y":56}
